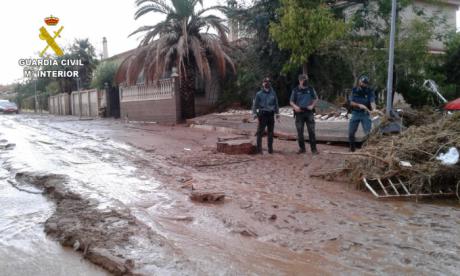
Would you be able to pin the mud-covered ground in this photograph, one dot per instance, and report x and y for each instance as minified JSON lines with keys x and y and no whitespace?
{"x":122,"y":200}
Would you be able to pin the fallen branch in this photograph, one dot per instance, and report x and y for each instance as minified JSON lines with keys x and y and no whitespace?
{"x":221,"y":164}
{"x":327,"y":173}
{"x":359,"y":154}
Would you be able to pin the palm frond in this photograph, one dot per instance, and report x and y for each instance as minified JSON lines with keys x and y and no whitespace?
{"x":217,"y":24}
{"x":142,"y":29}
{"x":220,"y":8}
{"x":149,"y":8}
{"x":162,"y":27}
{"x":213,"y":45}
{"x":197,"y":51}
{"x":160,"y":3}
{"x":194,"y":2}
{"x":181,"y":39}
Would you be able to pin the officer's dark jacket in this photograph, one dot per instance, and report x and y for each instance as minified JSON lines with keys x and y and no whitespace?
{"x":362,"y":95}
{"x":265,"y":101}
{"x":303,"y":97}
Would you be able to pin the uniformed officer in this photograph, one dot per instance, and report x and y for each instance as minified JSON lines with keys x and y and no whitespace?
{"x":303,"y":100}
{"x":264,"y":108}
{"x":362,"y":101}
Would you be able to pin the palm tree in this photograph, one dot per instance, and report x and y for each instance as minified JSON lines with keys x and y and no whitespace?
{"x":181,"y":40}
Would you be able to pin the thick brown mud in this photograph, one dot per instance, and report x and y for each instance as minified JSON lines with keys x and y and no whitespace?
{"x":122,"y":194}
{"x":103,"y":236}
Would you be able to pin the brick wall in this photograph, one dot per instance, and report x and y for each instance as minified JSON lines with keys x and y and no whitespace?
{"x":163,"y":111}
{"x":158,"y":102}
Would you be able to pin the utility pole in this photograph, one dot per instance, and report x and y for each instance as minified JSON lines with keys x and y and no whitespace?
{"x":391,"y":56}
{"x":35,"y":93}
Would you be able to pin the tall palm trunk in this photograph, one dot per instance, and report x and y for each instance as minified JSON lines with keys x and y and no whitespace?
{"x":187,"y":93}
{"x":305,"y":68}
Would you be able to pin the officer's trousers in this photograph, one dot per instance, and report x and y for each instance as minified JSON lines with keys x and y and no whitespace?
{"x":356,"y":118}
{"x":308,"y":118}
{"x":266,"y":120}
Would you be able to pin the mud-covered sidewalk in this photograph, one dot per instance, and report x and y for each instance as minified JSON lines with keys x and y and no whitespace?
{"x":122,"y":193}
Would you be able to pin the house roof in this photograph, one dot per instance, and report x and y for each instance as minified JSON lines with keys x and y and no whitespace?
{"x":452,"y":2}
{"x":121,"y":56}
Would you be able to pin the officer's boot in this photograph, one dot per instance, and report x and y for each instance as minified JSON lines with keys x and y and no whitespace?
{"x":259,"y":143}
{"x":270,"y":142}
{"x":352,"y":146}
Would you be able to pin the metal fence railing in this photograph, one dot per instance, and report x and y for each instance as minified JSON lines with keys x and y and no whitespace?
{"x":159,"y":90}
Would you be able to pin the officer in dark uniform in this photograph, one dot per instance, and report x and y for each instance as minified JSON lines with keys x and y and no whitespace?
{"x":362,"y":101}
{"x":264,"y":108}
{"x":303,"y":100}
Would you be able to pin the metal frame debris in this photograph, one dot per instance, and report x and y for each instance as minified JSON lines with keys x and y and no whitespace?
{"x":395,"y":187}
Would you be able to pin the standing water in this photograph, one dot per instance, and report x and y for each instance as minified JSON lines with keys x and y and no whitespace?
{"x":24,"y":247}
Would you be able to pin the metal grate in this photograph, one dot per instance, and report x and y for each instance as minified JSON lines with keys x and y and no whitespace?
{"x":395,"y":187}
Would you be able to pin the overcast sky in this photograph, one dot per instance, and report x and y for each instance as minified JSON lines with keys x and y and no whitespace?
{"x":20,"y":22}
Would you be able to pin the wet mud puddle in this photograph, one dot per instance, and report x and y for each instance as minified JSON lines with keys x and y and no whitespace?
{"x":114,"y":211}
{"x":135,"y":223}
{"x":24,"y":247}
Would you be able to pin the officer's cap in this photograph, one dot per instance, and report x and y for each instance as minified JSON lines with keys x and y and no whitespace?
{"x":303,"y":77}
{"x":364,"y":79}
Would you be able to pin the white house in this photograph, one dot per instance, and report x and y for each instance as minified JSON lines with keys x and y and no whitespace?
{"x":445,"y":9}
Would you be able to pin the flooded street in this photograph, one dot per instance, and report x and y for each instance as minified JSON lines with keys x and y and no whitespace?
{"x":24,"y":247}
{"x":119,"y":195}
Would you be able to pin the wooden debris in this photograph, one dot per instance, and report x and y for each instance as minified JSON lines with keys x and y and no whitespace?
{"x":231,"y":137}
{"x":381,"y":156}
{"x":243,"y":146}
{"x":285,"y":136}
{"x":207,"y":197}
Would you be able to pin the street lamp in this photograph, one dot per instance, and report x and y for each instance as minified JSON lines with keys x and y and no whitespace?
{"x":391,"y":56}
{"x":35,"y":93}
{"x":394,"y":123}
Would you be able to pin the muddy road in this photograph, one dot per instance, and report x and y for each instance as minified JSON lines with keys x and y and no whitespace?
{"x":118,"y":194}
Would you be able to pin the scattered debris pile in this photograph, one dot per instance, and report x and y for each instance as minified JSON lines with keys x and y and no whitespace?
{"x":324,"y":111}
{"x":340,"y":115}
{"x":411,"y":156}
{"x":419,"y":117}
{"x":335,"y":115}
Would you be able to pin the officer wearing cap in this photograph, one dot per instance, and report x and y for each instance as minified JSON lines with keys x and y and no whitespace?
{"x":303,"y":100}
{"x":264,"y":108}
{"x":362,"y":101}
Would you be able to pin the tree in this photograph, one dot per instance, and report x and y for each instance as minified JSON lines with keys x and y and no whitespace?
{"x":257,"y":55}
{"x":450,"y":69}
{"x":80,"y":49}
{"x":83,"y":50}
{"x":104,"y":73}
{"x":452,"y":60}
{"x":303,"y":28}
{"x":180,"y":40}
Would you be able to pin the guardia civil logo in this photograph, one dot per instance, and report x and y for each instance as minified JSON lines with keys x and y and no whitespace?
{"x":51,"y":40}
{"x":50,"y":64}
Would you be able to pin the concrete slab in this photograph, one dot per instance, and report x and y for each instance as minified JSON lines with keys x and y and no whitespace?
{"x":326,"y":130}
